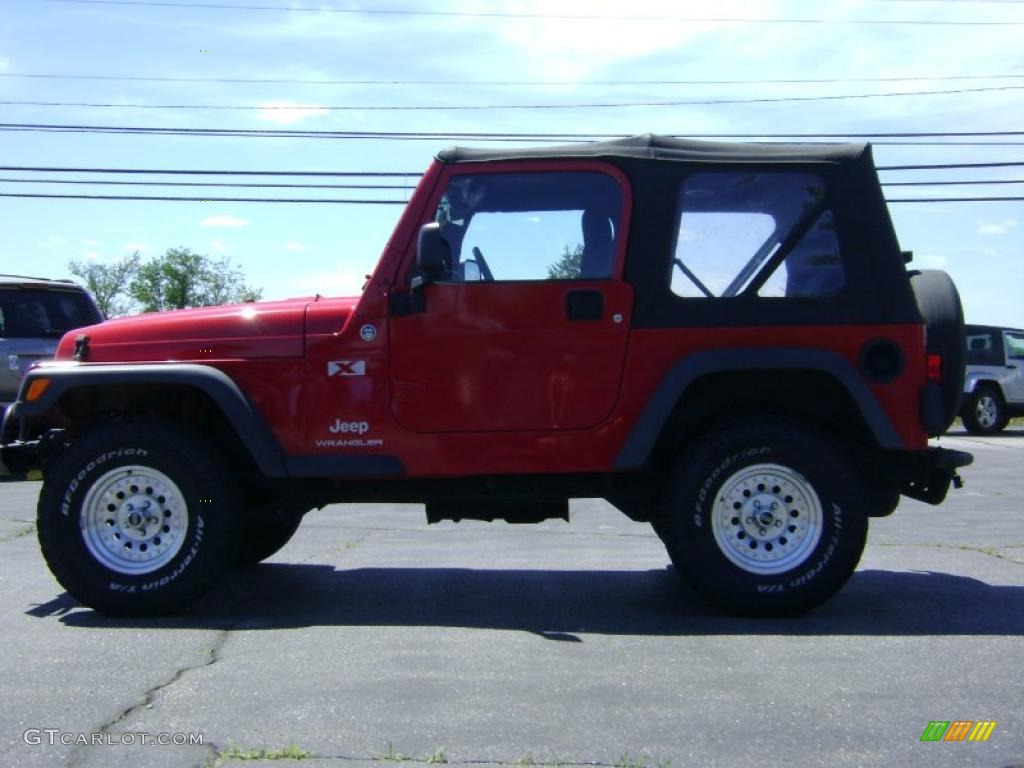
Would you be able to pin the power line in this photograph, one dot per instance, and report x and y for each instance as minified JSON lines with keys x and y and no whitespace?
{"x":478,"y":136}
{"x":499,"y":83}
{"x":955,"y":200}
{"x":486,"y":107}
{"x":391,"y":202}
{"x":392,"y":174}
{"x":945,"y":166}
{"x":204,"y":172}
{"x":404,"y":187}
{"x":104,"y":182}
{"x":542,"y":16}
{"x":984,"y":182}
{"x":203,"y":199}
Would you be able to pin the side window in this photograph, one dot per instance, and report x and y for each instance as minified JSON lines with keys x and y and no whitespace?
{"x":530,"y":226}
{"x":1015,"y":346}
{"x":982,"y":348}
{"x":733,"y":225}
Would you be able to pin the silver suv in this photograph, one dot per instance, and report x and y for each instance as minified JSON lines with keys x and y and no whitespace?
{"x":34,"y":313}
{"x":994,"y":381}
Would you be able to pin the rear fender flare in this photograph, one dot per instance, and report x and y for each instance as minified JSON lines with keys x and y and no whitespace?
{"x":639,"y":444}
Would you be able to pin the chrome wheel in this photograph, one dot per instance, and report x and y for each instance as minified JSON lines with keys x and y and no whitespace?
{"x":986,"y":411}
{"x":134,"y":520}
{"x":767,"y":519}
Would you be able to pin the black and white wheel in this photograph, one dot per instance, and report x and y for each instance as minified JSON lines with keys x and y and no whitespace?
{"x":135,"y":518}
{"x":764,"y":517}
{"x":984,"y":413}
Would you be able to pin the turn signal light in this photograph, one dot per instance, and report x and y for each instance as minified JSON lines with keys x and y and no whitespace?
{"x":934,"y":367}
{"x":36,"y":389}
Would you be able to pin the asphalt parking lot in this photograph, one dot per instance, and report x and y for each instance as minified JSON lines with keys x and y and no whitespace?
{"x":373,"y":638}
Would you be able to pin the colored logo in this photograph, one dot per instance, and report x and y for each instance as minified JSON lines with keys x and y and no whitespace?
{"x":368,"y":332}
{"x":958,"y":730}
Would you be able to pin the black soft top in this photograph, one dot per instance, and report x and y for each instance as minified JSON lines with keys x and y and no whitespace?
{"x":652,"y":147}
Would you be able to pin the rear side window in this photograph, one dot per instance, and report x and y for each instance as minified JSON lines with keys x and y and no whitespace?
{"x":530,"y":226}
{"x":39,"y":314}
{"x":738,"y":230}
{"x":984,"y":347}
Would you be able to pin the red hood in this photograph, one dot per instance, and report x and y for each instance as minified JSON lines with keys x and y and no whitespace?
{"x":255,"y":330}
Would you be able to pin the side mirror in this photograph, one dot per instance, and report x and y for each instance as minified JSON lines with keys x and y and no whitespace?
{"x":432,"y":251}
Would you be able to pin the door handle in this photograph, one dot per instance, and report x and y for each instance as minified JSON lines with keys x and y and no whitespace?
{"x":584,"y":305}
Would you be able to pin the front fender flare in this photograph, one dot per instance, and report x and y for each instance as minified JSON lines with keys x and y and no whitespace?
{"x":245,"y":419}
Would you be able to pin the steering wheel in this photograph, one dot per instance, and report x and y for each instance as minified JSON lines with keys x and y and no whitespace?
{"x":485,"y":270}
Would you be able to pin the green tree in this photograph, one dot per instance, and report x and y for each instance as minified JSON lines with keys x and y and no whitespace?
{"x":567,"y":267}
{"x":181,"y":278}
{"x":108,"y":283}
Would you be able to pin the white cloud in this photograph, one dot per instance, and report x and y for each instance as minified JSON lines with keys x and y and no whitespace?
{"x":91,"y":242}
{"x":288,"y":112}
{"x":996,"y":228}
{"x":218,"y":246}
{"x":92,"y":255}
{"x":140,"y":247}
{"x":224,"y":220}
{"x":294,"y":247}
{"x":54,"y":241}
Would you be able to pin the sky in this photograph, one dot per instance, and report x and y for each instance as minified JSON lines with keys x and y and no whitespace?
{"x":696,"y":69}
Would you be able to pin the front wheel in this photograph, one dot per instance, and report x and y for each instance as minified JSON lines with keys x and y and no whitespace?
{"x":262,"y":535}
{"x":135,"y":518}
{"x":985,"y":413}
{"x":764,"y":518}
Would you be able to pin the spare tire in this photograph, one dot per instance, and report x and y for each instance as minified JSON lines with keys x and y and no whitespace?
{"x":943,"y":315}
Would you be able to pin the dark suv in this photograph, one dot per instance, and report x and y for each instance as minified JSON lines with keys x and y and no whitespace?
{"x":34,"y":314}
{"x":723,"y":340}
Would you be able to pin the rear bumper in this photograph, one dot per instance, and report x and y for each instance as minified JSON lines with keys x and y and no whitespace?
{"x":929,"y":473}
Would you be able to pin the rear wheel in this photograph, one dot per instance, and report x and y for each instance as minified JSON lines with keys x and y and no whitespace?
{"x":764,"y":518}
{"x":135,"y":518}
{"x":984,"y":413}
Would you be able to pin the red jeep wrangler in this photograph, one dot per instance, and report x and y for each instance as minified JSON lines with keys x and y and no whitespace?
{"x":720,"y":339}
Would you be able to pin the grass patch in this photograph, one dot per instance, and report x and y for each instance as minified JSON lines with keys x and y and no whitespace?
{"x":233,"y":751}
{"x":438,"y":757}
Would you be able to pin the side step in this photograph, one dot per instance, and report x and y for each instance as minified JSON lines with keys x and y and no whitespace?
{"x":518,"y":512}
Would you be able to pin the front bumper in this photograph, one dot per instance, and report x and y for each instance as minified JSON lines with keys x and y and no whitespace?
{"x":13,"y":457}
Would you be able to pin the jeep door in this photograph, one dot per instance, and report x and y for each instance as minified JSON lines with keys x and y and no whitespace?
{"x":1013,"y":383}
{"x":526,"y":325}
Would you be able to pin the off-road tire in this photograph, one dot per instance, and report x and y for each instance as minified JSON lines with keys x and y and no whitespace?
{"x":114,"y":558}
{"x":984,"y":412}
{"x":769,"y":472}
{"x":261,"y":535}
